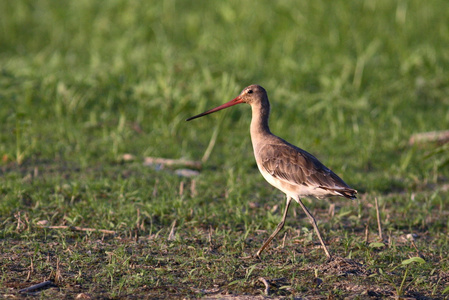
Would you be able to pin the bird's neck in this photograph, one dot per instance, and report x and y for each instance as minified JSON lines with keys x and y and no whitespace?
{"x":259,"y":122}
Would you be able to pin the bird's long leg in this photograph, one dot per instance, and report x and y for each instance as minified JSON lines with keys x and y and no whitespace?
{"x":278,"y":228}
{"x":312,"y":220}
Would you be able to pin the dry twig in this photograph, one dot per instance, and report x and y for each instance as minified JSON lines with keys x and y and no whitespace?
{"x":36,"y":286}
{"x":58,"y":276}
{"x":31,"y":270}
{"x":367,"y":232}
{"x":171,"y":236}
{"x":283,"y":240}
{"x":172,"y":162}
{"x":379,"y":225}
{"x":79,"y":228}
{"x":431,"y":136}
{"x":267,"y":285}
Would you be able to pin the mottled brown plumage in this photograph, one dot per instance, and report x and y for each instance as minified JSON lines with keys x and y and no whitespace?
{"x":292,"y":170}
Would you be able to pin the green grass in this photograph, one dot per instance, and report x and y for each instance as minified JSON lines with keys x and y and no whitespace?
{"x":84,"y":82}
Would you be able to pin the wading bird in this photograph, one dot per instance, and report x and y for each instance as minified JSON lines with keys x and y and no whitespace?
{"x":290,"y":169}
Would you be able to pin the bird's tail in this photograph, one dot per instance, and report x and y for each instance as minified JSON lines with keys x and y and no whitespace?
{"x":344,"y":192}
{"x":349,"y":193}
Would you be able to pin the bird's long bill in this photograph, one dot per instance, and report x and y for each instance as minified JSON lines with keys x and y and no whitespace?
{"x":223,"y":106}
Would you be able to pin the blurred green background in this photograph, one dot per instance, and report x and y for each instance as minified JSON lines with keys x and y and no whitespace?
{"x":348,"y":80}
{"x":351,"y":79}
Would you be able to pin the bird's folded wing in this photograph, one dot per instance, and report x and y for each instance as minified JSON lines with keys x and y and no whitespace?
{"x":298,"y":167}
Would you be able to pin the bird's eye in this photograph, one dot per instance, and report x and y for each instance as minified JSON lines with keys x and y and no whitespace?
{"x":250,"y":91}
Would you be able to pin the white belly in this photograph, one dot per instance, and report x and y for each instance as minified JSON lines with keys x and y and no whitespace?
{"x":295,"y":191}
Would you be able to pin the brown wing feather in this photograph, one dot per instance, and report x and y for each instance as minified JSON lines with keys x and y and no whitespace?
{"x":296,"y":166}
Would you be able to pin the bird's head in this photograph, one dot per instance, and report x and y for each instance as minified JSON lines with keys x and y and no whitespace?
{"x":253,"y":94}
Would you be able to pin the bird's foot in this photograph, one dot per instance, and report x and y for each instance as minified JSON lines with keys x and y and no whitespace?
{"x":250,"y":256}
{"x":329,"y":259}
